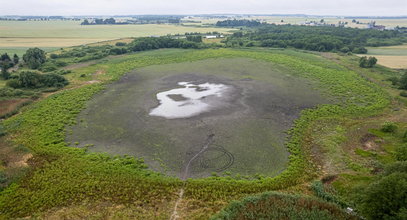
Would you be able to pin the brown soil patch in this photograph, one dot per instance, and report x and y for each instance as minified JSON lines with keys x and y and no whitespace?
{"x":23,"y":162}
{"x":368,"y":142}
{"x":7,"y":106}
{"x":100,"y":72}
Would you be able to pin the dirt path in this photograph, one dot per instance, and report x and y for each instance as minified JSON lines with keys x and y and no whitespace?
{"x":208,"y":142}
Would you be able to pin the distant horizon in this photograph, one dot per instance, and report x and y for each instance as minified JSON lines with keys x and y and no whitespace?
{"x":209,"y":14}
{"x":344,"y":8}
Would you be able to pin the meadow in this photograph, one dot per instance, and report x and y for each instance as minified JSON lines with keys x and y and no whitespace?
{"x":78,"y":180}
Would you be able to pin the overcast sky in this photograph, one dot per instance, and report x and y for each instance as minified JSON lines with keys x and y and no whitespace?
{"x":132,"y":7}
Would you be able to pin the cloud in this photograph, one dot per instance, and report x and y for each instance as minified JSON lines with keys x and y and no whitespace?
{"x":116,"y":7}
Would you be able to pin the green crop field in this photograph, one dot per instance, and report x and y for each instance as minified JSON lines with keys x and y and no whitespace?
{"x":82,"y":180}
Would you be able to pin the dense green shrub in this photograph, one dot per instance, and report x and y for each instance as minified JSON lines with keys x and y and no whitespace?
{"x":403,"y":94}
{"x":389,"y":127}
{"x":31,"y":79}
{"x":403,"y":81}
{"x":365,"y":62}
{"x":10,"y":92}
{"x":34,"y":57}
{"x":273,"y":205}
{"x":386,"y":198}
{"x":53,"y":56}
{"x":401,"y":153}
{"x":120,"y":44}
{"x":2,"y":130}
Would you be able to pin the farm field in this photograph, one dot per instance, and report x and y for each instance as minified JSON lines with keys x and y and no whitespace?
{"x":86,"y":178}
{"x":391,"y":23}
{"x":391,"y":56}
{"x":18,"y":35}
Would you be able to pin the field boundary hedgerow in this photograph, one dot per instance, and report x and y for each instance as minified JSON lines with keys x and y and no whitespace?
{"x":71,"y":175}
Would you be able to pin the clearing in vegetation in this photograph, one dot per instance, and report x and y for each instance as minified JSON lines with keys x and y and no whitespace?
{"x":74,"y":178}
{"x":248,"y":121}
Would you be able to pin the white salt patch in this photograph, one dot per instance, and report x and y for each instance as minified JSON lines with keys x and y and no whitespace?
{"x":195,"y":102}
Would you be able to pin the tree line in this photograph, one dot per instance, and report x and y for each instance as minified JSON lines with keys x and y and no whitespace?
{"x":238,"y":23}
{"x":318,"y":38}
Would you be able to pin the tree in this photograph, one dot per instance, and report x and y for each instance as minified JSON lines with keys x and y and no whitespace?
{"x":5,"y":64}
{"x":386,"y":198}
{"x":365,"y":62}
{"x":403,"y":81}
{"x":85,"y":22}
{"x":371,"y":61}
{"x":16,"y":59}
{"x":34,"y":57}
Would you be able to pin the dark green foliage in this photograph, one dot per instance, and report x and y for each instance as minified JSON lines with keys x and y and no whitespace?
{"x":150,"y":43}
{"x":401,"y":153}
{"x":389,"y":127}
{"x":273,"y":205}
{"x":31,"y":79}
{"x":365,"y":62}
{"x":120,"y":44}
{"x":53,"y":56}
{"x":2,"y":130}
{"x":360,"y":50}
{"x":322,"y":38}
{"x":386,"y":198}
{"x":403,"y":93}
{"x":16,"y":59}
{"x":5,"y":64}
{"x":403,"y":81}
{"x":34,"y":57}
{"x":197,"y":38}
{"x":238,"y":23}
{"x":319,"y":190}
{"x":53,"y":80}
{"x":394,"y":80}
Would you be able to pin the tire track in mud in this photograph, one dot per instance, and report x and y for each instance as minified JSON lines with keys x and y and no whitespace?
{"x":208,"y":142}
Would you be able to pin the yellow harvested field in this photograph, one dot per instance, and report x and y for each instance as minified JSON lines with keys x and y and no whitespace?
{"x":396,"y":62}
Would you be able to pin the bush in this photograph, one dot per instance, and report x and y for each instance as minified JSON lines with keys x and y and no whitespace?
{"x":389,"y":127}
{"x":394,"y":80}
{"x":54,"y":80}
{"x":120,"y":44}
{"x":403,"y":81}
{"x":360,"y":50}
{"x":34,"y":58}
{"x":31,"y":79}
{"x":365,"y":62}
{"x":54,"y":56}
{"x":401,"y":153}
{"x":48,"y":67}
{"x":10,"y":92}
{"x":403,"y":94}
{"x":13,"y":83}
{"x":2,"y":130}
{"x":386,"y":198}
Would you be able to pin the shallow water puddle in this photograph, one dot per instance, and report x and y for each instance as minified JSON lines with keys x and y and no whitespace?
{"x":190,"y":100}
